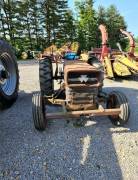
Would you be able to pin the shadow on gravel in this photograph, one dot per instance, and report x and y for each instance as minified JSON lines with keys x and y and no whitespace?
{"x":98,"y":148}
{"x":62,"y":151}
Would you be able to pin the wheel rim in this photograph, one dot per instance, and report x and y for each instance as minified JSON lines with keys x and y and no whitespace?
{"x":8,"y":84}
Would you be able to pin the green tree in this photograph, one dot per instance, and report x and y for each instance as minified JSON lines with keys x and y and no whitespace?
{"x":7,"y":16}
{"x":101,"y":15}
{"x":114,"y":22}
{"x":35,"y":21}
{"x":101,"y":19}
{"x":54,"y":13}
{"x":87,"y":24}
{"x":68,"y":28}
{"x":28,"y":23}
{"x":34,"y":24}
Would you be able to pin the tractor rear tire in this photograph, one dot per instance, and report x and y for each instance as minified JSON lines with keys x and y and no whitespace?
{"x":46,"y":77}
{"x":8,"y":87}
{"x":118,"y":100}
{"x":38,"y":111}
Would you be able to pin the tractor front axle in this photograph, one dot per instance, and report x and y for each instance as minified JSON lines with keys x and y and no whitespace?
{"x":75,"y":114}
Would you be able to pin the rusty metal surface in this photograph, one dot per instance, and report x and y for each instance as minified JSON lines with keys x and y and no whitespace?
{"x":105,"y":49}
{"x":104,"y":33}
{"x":82,"y":67}
{"x":75,"y":114}
{"x":131,"y":41}
{"x":81,"y":93}
{"x":81,"y":98}
{"x":131,"y":53}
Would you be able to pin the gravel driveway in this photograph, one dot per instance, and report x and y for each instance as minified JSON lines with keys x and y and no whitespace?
{"x":65,"y":152}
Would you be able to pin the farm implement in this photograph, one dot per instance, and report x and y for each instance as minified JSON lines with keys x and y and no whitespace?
{"x":116,"y":62}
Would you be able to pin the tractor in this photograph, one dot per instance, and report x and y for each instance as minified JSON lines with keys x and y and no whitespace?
{"x":116,"y":62}
{"x":9,"y":76}
{"x":80,"y":92}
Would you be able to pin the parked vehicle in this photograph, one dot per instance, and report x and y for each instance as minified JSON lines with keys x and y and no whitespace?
{"x":9,"y":76}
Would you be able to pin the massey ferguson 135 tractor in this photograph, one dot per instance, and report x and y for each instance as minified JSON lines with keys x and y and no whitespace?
{"x":9,"y":76}
{"x":80,"y":93}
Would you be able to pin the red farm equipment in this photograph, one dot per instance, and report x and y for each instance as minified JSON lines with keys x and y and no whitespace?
{"x":115,"y":61}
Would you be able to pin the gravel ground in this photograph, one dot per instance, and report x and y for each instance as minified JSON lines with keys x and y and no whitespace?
{"x":97,"y":151}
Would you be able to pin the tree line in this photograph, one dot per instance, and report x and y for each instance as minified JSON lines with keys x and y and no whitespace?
{"x":36,"y":24}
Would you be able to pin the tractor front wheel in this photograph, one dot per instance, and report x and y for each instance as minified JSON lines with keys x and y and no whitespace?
{"x":46,"y":77}
{"x":118,"y":100}
{"x":38,"y":110}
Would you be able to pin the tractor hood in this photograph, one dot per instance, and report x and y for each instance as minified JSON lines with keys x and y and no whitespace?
{"x":82,"y":74}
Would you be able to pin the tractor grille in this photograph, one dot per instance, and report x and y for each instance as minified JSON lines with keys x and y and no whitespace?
{"x":89,"y":78}
{"x":83,"y":95}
